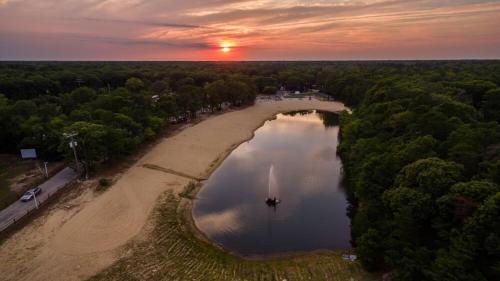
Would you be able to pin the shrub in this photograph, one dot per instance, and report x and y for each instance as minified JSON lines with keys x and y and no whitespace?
{"x":104,"y":183}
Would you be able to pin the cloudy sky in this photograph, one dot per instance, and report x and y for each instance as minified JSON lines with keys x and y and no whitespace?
{"x":248,"y":29}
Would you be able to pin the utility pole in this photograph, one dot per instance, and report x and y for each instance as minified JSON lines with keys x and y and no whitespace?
{"x":72,"y":145}
{"x":46,"y":171}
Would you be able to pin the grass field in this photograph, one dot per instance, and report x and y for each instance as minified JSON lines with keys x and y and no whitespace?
{"x":173,"y":252}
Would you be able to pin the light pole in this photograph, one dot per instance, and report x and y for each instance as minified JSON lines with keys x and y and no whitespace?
{"x":34,"y":197}
{"x":72,"y":145}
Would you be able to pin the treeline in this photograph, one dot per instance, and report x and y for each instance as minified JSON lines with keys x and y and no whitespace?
{"x":421,"y":154}
{"x":115,"y":106}
{"x":112,"y":107}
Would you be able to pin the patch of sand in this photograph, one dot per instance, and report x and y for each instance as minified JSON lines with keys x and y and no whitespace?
{"x":75,"y":243}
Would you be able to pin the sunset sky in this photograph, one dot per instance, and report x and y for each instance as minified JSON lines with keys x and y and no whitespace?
{"x":248,"y":30}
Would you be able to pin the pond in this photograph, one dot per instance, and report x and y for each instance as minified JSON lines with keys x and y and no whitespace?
{"x":293,"y":158}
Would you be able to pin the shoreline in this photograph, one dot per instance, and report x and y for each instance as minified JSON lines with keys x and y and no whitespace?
{"x":186,"y":210}
{"x":79,"y":242}
{"x":172,"y":251}
{"x":234,"y":146}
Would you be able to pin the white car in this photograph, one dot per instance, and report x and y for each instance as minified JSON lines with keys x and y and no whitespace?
{"x":30,"y":194}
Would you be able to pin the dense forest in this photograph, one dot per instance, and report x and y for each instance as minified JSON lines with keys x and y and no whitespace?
{"x":421,"y":150}
{"x":422,"y":157}
{"x":112,"y":107}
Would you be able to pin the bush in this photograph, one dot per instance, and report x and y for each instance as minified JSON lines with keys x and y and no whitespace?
{"x":103,"y":183}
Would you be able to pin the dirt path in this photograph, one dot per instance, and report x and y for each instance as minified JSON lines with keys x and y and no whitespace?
{"x":76,"y":243}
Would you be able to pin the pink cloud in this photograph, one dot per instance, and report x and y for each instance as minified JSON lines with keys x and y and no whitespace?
{"x":260,"y":29}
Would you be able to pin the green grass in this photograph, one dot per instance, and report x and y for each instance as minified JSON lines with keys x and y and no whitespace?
{"x":173,"y":252}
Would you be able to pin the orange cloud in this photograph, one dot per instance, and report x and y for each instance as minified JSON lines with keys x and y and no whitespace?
{"x":259,"y":29}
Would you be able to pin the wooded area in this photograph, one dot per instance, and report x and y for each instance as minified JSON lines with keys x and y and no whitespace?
{"x":422,"y":157}
{"x":113,"y":107}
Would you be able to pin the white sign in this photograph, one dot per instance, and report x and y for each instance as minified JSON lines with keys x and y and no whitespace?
{"x":28,"y":153}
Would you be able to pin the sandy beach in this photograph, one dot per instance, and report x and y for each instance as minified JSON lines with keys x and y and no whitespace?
{"x":76,"y":242}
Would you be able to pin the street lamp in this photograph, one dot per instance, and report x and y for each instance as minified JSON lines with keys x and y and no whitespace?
{"x":34,"y":197}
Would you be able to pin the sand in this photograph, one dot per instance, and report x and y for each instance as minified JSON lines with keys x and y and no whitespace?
{"x":75,"y":243}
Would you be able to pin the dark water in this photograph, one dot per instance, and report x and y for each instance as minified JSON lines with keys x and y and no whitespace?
{"x":301,"y":147}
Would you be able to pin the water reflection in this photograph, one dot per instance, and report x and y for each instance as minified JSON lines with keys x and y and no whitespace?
{"x":329,"y":119}
{"x":301,"y":146}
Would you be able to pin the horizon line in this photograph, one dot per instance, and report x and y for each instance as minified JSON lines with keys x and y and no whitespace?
{"x":228,"y":61}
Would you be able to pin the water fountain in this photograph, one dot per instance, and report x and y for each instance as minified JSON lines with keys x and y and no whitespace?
{"x":272,"y":199}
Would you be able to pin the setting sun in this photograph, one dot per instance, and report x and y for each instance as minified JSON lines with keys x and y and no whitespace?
{"x":226,"y":47}
{"x":362,"y":135}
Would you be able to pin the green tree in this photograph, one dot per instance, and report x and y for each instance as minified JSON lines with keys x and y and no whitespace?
{"x":475,"y":90}
{"x":3,"y":101}
{"x":91,"y":141}
{"x":160,"y":87}
{"x":190,"y":99}
{"x":418,"y":148}
{"x":216,"y":92}
{"x":491,"y":105}
{"x":270,"y":90}
{"x":134,"y":84}
{"x":82,"y":95}
{"x":431,"y":175}
{"x":168,"y":106}
{"x":370,"y":250}
{"x":474,"y":253}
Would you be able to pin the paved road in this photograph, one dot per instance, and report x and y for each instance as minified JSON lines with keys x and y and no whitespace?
{"x":18,"y":209}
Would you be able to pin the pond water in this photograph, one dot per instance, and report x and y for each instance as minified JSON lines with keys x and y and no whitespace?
{"x":306,"y":176}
